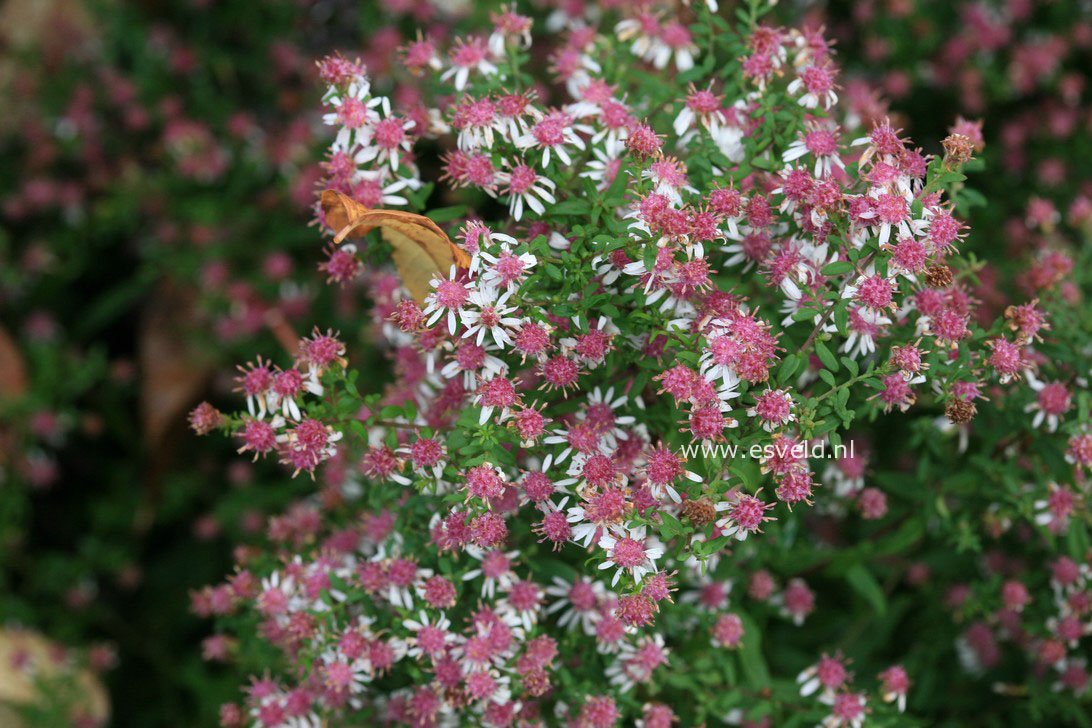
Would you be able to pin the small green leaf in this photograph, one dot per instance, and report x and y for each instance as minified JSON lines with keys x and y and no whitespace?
{"x":862,"y":582}
{"x":841,"y":319}
{"x":837,"y":268}
{"x":825,"y":356}
{"x":446,"y":214}
{"x":789,"y":368}
{"x":571,"y":207}
{"x":648,"y":256}
{"x":750,"y":654}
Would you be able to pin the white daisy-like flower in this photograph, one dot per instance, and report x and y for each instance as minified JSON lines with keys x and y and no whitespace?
{"x":472,"y":362}
{"x":388,"y":139}
{"x":569,"y":436}
{"x":674,"y":41}
{"x":635,"y":662}
{"x":469,"y":55}
{"x":820,"y":143}
{"x":352,"y":111}
{"x":554,"y":133}
{"x":864,"y":326}
{"x":524,"y":186}
{"x":577,"y":603}
{"x":432,"y":635}
{"x":290,"y":438}
{"x":506,"y":269}
{"x":521,"y":605}
{"x":389,"y":190}
{"x":641,"y":30}
{"x":629,"y":552}
{"x":607,"y":162}
{"x":854,"y":701}
{"x":279,"y":595}
{"x":1053,"y":399}
{"x":489,"y":315}
{"x":448,"y":298}
{"x":496,"y":568}
{"x":351,"y":675}
{"x":601,"y":412}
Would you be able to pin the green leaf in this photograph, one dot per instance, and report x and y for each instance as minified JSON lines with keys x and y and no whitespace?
{"x":862,"y":582}
{"x":750,"y":654}
{"x":670,"y":526}
{"x":825,"y":356}
{"x":841,"y":319}
{"x":648,"y":256}
{"x":446,"y":214}
{"x":571,"y":207}
{"x":789,"y":368}
{"x":968,"y":198}
{"x":837,"y":268}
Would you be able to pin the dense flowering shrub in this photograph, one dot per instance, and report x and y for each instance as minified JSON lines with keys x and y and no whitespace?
{"x":161,"y":163}
{"x":623,"y":470}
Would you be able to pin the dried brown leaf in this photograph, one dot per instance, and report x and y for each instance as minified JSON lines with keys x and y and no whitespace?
{"x":421,"y":247}
{"x":17,"y":684}
{"x":13,"y":369}
{"x":173,"y":374}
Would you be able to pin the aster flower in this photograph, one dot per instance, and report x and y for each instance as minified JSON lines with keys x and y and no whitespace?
{"x":601,"y":511}
{"x":554,"y":133}
{"x":509,"y":28}
{"x":674,"y":40}
{"x":472,"y":363}
{"x":505,"y":269}
{"x":774,"y":408}
{"x":353,"y":110}
{"x":896,"y":684}
{"x":829,"y":673}
{"x":1051,"y":402}
{"x":817,"y":84}
{"x":521,"y":605}
{"x":487,"y":314}
{"x":743,"y":515}
{"x":702,"y":106}
{"x":848,"y":710}
{"x":635,"y":663}
{"x":389,"y":140}
{"x":431,"y":635}
{"x":449,"y":298}
{"x":525,"y":187}
{"x":822,"y":145}
{"x":495,"y":570}
{"x":468,"y":55}
{"x":629,"y":552}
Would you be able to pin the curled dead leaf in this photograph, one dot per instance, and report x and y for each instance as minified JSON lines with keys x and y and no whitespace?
{"x":27,"y":657}
{"x":421,"y":247}
{"x":13,"y":369}
{"x":173,"y":373}
{"x":26,"y":23}
{"x":53,"y":28}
